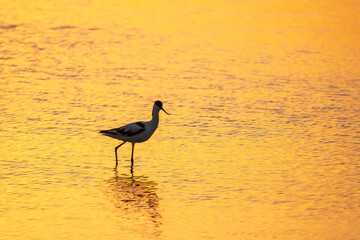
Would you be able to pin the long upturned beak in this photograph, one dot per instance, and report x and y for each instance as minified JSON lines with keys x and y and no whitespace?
{"x":165,"y":111}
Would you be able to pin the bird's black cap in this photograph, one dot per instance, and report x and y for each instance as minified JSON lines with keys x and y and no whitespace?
{"x":159,"y":104}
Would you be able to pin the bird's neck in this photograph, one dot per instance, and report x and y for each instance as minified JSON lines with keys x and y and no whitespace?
{"x":155,"y":117}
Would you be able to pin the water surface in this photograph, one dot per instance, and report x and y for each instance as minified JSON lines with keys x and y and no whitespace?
{"x":262,"y":143}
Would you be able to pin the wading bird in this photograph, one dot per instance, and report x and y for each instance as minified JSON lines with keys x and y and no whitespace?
{"x":136,"y":132}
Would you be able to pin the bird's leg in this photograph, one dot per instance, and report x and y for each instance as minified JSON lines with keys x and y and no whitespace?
{"x":132,"y":155}
{"x":132,"y":172}
{"x":116,"y":153}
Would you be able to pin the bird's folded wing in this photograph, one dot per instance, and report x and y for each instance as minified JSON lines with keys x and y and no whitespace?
{"x":127,"y":130}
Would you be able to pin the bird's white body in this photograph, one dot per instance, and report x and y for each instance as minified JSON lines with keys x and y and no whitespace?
{"x":136,"y":132}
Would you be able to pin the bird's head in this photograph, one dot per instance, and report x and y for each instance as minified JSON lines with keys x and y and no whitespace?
{"x":159,"y":104}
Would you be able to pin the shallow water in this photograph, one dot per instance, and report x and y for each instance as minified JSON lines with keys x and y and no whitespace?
{"x":262,"y":143}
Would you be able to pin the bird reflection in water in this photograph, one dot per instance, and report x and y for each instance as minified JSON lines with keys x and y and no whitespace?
{"x":136,"y":199}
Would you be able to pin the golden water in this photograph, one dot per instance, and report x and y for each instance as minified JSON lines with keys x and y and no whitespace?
{"x":262,"y":143}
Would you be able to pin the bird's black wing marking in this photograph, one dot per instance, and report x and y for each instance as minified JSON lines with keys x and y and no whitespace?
{"x":140,"y":124}
{"x":127,"y":130}
{"x":131,"y":129}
